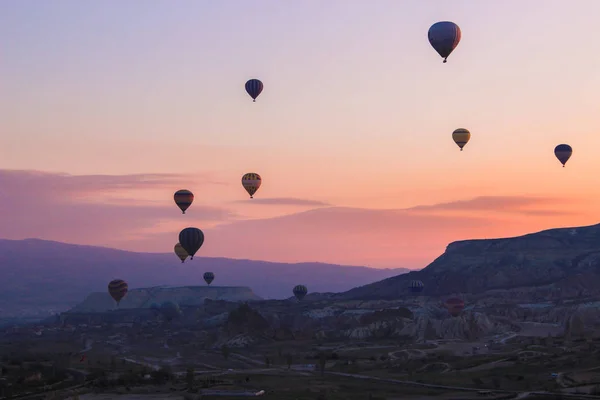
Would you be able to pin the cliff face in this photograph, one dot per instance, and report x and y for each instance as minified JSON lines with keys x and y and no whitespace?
{"x":564,"y":261}
{"x":184,"y":296}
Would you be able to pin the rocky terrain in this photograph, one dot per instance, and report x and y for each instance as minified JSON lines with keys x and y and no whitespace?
{"x":145,"y":297}
{"x":549,"y":265}
{"x":540,"y":284}
{"x":513,"y":336}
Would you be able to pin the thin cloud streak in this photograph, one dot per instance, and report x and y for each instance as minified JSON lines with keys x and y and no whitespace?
{"x":505,"y":204}
{"x":284,"y":201}
{"x":66,"y":208}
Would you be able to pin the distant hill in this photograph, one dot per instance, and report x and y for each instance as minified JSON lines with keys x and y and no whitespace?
{"x":40,"y":276}
{"x":143,"y":298}
{"x":568,"y":259}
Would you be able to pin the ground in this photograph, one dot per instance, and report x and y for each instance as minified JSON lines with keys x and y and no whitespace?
{"x":127,"y":369}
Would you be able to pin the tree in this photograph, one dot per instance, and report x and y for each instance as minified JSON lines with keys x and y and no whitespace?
{"x":322,"y":362}
{"x":225,"y":351}
{"x":189,"y":377}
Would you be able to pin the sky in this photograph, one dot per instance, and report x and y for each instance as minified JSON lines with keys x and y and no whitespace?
{"x":108,"y":107}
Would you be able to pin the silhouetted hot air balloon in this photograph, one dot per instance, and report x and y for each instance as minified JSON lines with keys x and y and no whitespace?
{"x":416,"y":286}
{"x":208,"y":277}
{"x":454,"y":306}
{"x":155,"y":308}
{"x":170,"y":310}
{"x":191,"y":240}
{"x":251,"y":182}
{"x":444,"y":36}
{"x":300,"y":291}
{"x":461,"y":137}
{"x":117,"y":289}
{"x":183,"y":198}
{"x":254,"y":87}
{"x":180,"y":252}
{"x":563,"y":153}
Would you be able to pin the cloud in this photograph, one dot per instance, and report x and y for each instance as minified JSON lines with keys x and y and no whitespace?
{"x":353,"y":236}
{"x":507,"y":204}
{"x":71,"y":208}
{"x":285,"y":201}
{"x":50,"y":206}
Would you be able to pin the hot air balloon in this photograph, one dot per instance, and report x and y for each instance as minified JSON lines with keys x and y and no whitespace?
{"x":191,"y":240}
{"x":461,"y":137}
{"x":444,"y":36}
{"x":563,"y":153}
{"x":300,"y":291}
{"x":117,"y":289}
{"x":183,"y":198}
{"x":454,"y":306}
{"x":254,"y":87}
{"x":180,"y":252}
{"x":208,"y":277}
{"x":416,"y":286}
{"x":251,"y":182}
{"x":155,"y":308}
{"x":170,"y":310}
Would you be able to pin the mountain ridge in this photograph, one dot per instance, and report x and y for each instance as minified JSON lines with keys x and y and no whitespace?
{"x":54,"y":276}
{"x":565,"y":259}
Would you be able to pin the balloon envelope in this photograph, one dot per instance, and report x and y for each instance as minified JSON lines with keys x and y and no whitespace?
{"x":416,"y":286}
{"x":180,"y":252}
{"x":300,"y":291}
{"x":461,"y":137}
{"x":183,"y":198}
{"x":117,"y":289}
{"x":254,"y":88}
{"x":444,"y":36}
{"x":208,"y":277}
{"x":251,"y":182}
{"x":563,"y":152}
{"x":454,"y":306}
{"x":191,"y":240}
{"x":170,"y":310}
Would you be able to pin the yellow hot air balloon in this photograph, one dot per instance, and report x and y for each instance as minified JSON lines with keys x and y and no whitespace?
{"x":181,"y":253}
{"x":461,"y":137}
{"x":251,"y":182}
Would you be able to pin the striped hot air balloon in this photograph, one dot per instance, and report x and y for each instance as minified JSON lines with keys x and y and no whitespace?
{"x":191,"y":240}
{"x":461,"y":137}
{"x":208,"y":277}
{"x":416,"y":286}
{"x":183,"y":198}
{"x":300,"y":291}
{"x":444,"y":36}
{"x":254,"y":88}
{"x":251,"y":182}
{"x":117,"y":289}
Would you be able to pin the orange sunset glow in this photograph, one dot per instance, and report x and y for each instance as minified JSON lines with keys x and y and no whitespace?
{"x":352,"y":134}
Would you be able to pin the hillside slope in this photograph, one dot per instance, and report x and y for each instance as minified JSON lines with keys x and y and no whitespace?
{"x":568,"y":259}
{"x":42,"y":276}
